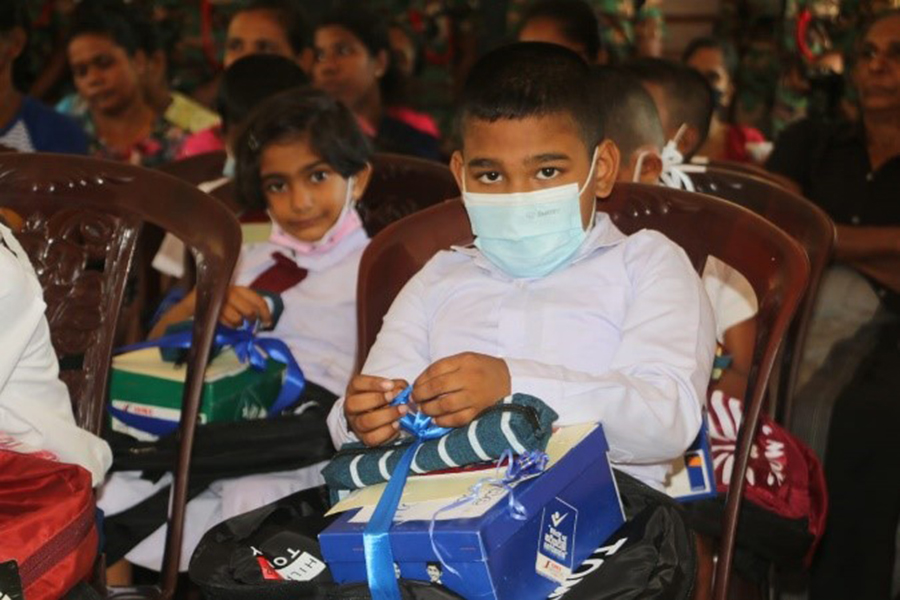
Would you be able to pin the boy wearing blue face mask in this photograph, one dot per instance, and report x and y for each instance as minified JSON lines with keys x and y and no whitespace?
{"x":552,"y":300}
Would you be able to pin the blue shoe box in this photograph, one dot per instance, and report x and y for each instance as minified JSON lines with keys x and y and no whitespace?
{"x":571,"y":509}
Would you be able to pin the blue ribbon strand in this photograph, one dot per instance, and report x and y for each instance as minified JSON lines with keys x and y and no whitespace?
{"x":248,"y":348}
{"x":518,"y":469}
{"x":376,"y":537}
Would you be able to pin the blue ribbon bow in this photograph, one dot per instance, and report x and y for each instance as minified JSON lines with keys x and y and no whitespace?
{"x":376,"y":539}
{"x":247,"y":347}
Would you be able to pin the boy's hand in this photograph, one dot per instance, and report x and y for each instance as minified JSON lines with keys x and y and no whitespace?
{"x":454,"y":390}
{"x":243,"y":303}
{"x":367,"y":411}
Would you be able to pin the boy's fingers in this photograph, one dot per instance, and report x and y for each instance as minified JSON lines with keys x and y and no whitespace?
{"x":457,"y":419}
{"x":437,"y":369}
{"x":370,"y":383}
{"x":447,"y":383}
{"x":379,"y":436}
{"x":364,"y":402}
{"x":376,"y":419}
{"x":446,"y":404}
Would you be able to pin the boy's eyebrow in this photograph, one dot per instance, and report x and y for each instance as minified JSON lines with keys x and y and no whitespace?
{"x":546,"y":157}
{"x":483,"y":163}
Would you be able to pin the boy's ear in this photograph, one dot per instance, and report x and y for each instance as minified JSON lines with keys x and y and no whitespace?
{"x":456,"y":167}
{"x":651,"y":169}
{"x":690,"y":140}
{"x":606,"y":168}
{"x":361,"y":182}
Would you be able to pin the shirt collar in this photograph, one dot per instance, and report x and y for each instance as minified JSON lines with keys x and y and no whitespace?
{"x":603,"y":234}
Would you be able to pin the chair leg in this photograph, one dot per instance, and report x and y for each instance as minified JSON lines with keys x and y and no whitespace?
{"x":705,"y":567}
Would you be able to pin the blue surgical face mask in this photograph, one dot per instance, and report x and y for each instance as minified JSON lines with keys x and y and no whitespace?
{"x":529,"y":234}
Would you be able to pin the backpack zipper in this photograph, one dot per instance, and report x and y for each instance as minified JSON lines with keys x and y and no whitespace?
{"x":57,"y":548}
{"x":529,"y":412}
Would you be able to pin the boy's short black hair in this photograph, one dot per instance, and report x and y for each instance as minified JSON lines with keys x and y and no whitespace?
{"x":292,"y":18}
{"x":303,"y":113}
{"x":688,"y":94}
{"x":252,"y":79}
{"x":576,"y":19}
{"x":729,"y":55}
{"x":13,"y":14}
{"x":110,"y":18}
{"x":627,"y":113}
{"x":530,"y":79}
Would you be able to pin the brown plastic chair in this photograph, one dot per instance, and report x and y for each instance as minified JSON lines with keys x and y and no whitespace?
{"x":402,"y":185}
{"x":82,"y":221}
{"x":802,"y":220}
{"x":198,"y":168}
{"x":774,"y":264}
{"x":751,"y":169}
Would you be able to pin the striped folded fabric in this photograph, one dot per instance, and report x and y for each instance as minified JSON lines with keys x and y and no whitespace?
{"x":519,"y":422}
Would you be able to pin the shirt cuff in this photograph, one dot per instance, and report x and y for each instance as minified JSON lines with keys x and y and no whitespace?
{"x":338,"y":427}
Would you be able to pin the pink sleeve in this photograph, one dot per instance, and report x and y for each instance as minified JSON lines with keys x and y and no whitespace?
{"x":207,"y":140}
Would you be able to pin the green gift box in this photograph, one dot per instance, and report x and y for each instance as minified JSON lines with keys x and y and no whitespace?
{"x":142,"y":383}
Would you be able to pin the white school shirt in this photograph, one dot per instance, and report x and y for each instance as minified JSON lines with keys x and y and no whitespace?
{"x":35,"y":410}
{"x":319,"y":319}
{"x":730,"y":294}
{"x":623,"y":335}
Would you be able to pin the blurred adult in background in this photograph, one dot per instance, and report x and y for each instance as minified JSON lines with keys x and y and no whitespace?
{"x":852,"y":170}
{"x":26,"y":125}
{"x":569,"y":23}
{"x":276,"y":27}
{"x":270,"y":27}
{"x":717,"y":62}
{"x":109,"y":68}
{"x":353,"y":64}
{"x":684,"y":101}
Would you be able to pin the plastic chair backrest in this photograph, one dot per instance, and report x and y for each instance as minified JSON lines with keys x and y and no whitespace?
{"x":802,"y":220}
{"x":774,"y":264}
{"x":82,"y":221}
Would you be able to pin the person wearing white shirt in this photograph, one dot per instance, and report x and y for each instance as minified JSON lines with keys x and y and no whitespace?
{"x":35,"y":409}
{"x":552,"y":300}
{"x":301,"y":156}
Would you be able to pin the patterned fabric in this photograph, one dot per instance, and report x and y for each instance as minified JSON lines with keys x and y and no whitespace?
{"x":783,"y":475}
{"x":519,"y":422}
{"x":161,"y":146}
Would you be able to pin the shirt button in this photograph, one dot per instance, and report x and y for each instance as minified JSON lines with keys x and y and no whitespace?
{"x":870,"y":176}
{"x":855,"y":219}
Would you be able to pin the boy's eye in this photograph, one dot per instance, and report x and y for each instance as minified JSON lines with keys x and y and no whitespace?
{"x":489,"y":177}
{"x":344,"y":50}
{"x":318,"y":176}
{"x":548,"y":173}
{"x":234,"y":44}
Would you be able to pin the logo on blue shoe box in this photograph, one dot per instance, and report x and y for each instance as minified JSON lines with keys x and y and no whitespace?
{"x":556,"y":543}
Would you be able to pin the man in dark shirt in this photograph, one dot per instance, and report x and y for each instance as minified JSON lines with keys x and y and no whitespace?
{"x":853,"y":172}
